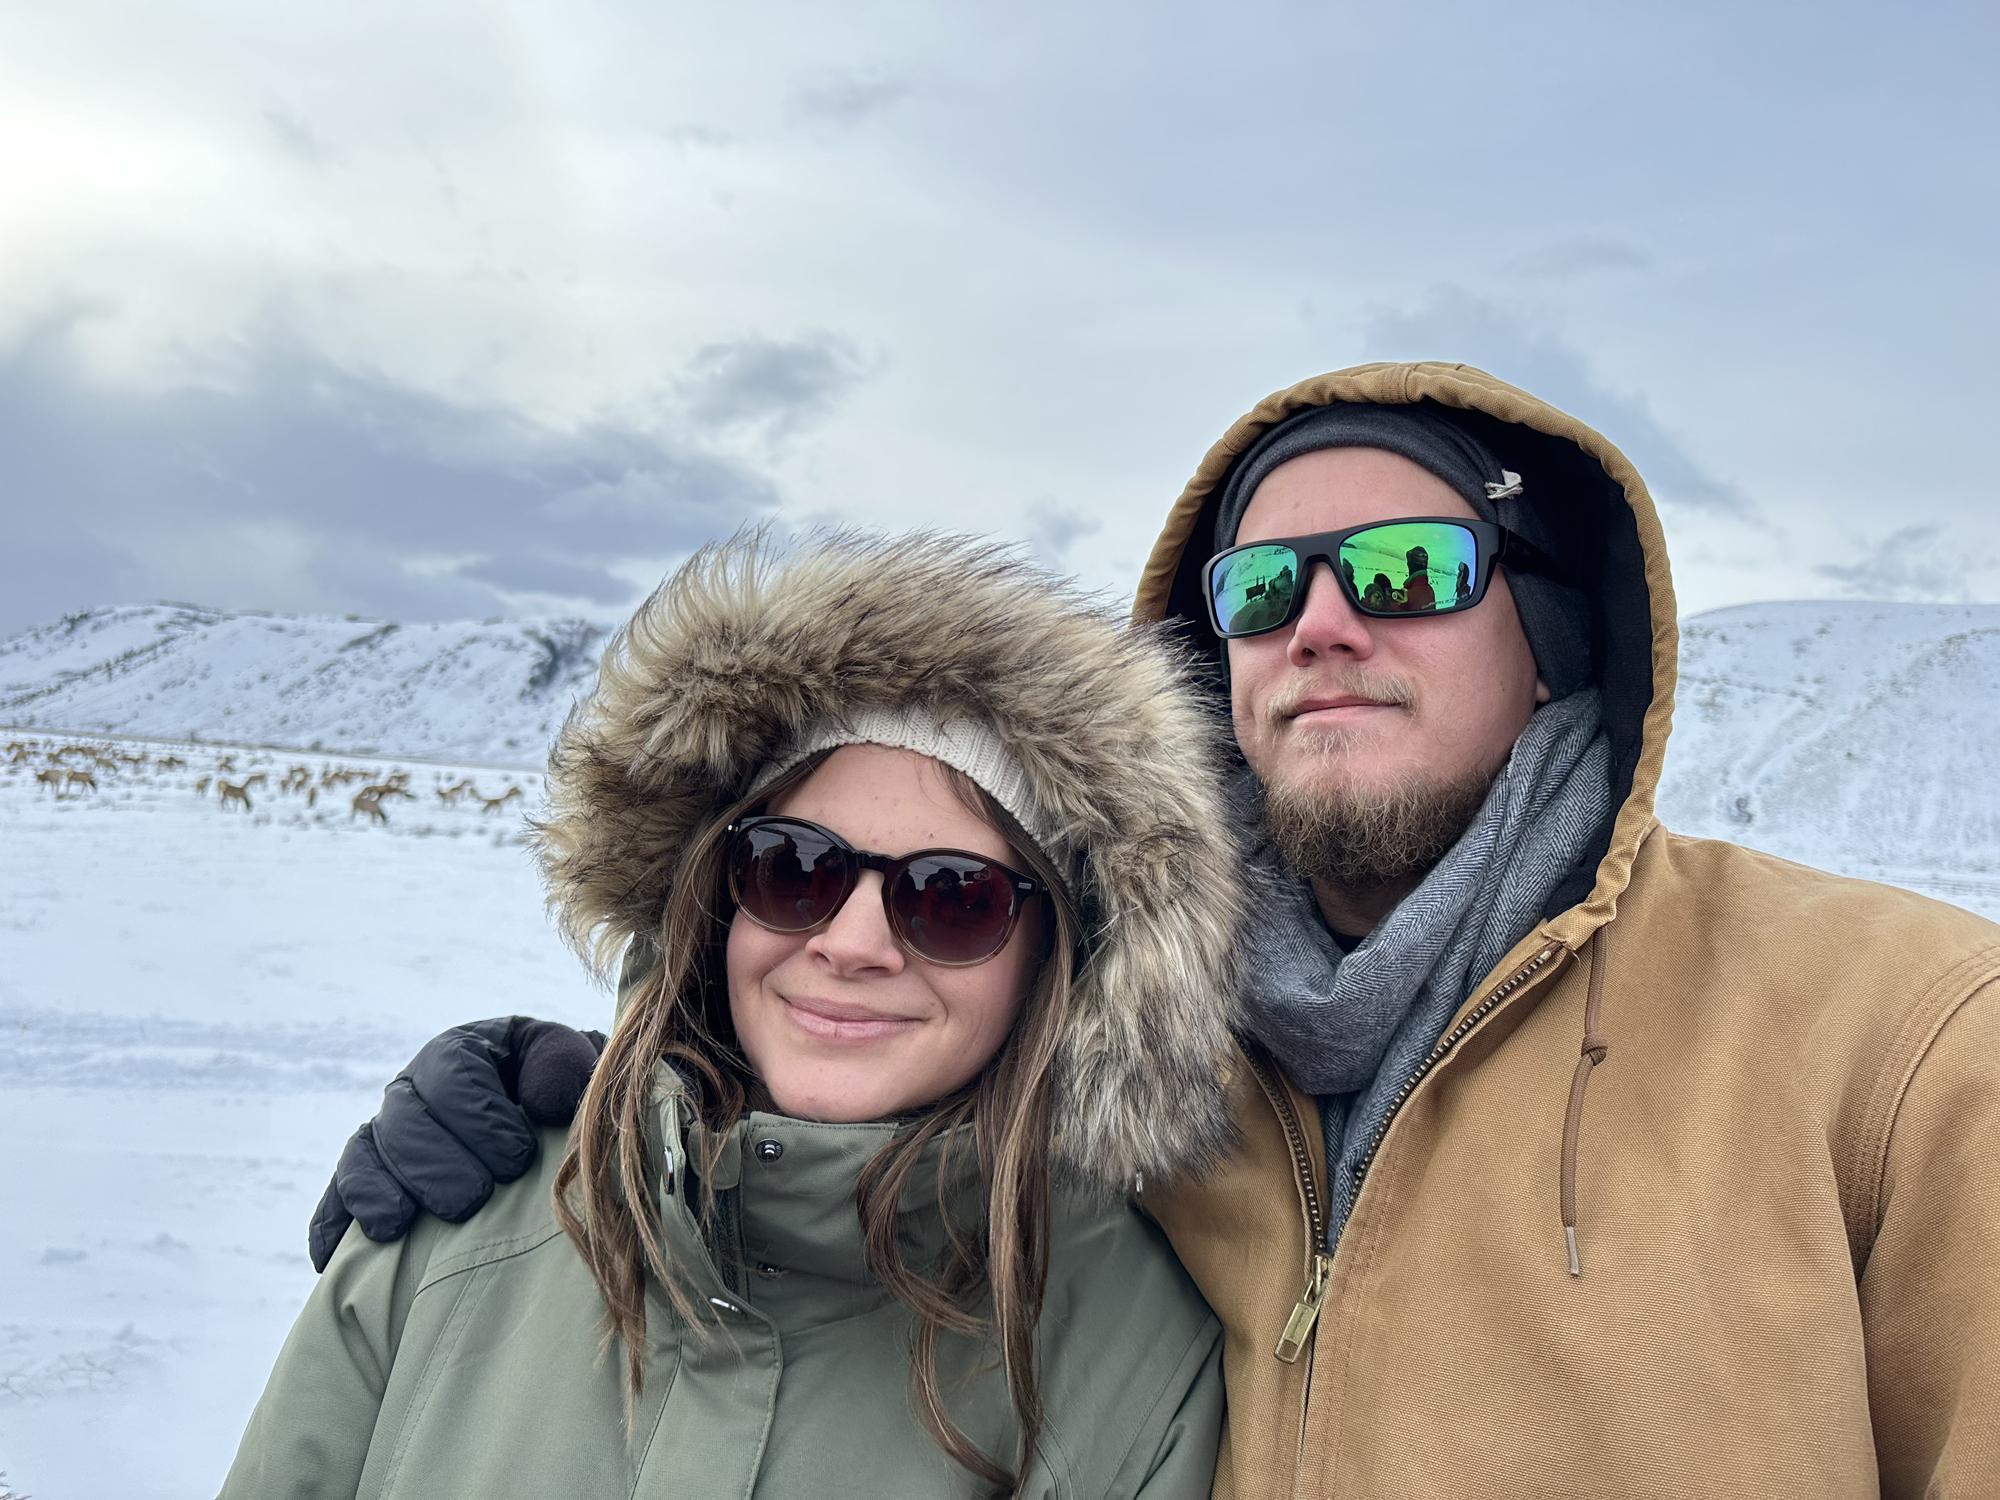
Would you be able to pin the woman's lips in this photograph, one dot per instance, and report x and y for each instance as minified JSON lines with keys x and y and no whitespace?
{"x":829,"y":1021}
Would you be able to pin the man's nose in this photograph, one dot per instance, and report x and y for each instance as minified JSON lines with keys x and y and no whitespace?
{"x":1327,"y":624}
{"x":857,"y":939}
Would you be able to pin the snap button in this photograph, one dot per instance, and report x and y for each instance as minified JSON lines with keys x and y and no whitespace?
{"x":770,"y":1150}
{"x":766,"y":1269}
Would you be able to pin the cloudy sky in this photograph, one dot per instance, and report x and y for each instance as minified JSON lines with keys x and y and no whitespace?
{"x":460,"y":310}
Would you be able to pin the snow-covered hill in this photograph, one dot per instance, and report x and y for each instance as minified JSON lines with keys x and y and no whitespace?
{"x":494,"y":692}
{"x":1862,"y":737}
{"x":1856,"y":736}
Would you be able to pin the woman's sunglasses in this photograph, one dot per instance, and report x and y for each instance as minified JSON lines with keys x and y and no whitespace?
{"x":1420,"y":565}
{"x":945,"y":906}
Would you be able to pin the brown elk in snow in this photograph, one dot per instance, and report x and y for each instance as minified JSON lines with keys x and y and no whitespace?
{"x":79,"y":778}
{"x":369,"y":800}
{"x":229,"y":791}
{"x":201,"y":787}
{"x":494,"y":804}
{"x":51,"y":778}
{"x":172,"y":763}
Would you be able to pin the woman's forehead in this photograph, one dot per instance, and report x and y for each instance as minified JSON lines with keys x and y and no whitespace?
{"x":892,"y":800}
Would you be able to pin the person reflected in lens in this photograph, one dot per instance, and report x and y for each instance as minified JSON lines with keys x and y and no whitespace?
{"x":1417,"y":591}
{"x":1379,"y":594}
{"x":1464,"y":588}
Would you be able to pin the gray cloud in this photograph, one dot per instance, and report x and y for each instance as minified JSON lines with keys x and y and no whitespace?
{"x":297,"y":139}
{"x":846,"y":97}
{"x":1451,"y":324}
{"x":1581,"y":256}
{"x":701,"y":137}
{"x":312,"y":487}
{"x":550,"y":575}
{"x":785,"y":384}
{"x":1052,"y":531}
{"x":1916,"y":563}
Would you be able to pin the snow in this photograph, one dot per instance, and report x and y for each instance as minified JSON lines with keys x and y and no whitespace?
{"x":494,"y":692}
{"x":198,"y":1004}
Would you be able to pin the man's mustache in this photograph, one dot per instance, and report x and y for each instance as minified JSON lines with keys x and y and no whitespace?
{"x":1392,"y":692}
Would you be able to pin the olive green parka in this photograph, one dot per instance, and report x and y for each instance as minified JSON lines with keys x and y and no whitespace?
{"x":467,"y":1360}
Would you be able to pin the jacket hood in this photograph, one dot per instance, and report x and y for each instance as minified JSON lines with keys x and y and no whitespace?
{"x":743,"y":647}
{"x":1611,"y":534}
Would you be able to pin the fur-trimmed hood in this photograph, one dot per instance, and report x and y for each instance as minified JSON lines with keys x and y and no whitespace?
{"x":744,"y":646}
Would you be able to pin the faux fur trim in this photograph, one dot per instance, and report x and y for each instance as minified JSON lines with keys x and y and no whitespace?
{"x":743,"y":646}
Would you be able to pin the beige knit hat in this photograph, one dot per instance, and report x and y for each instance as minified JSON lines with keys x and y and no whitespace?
{"x":965,"y":745}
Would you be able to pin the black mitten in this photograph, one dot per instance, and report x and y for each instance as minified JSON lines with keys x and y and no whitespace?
{"x":458,"y":1119}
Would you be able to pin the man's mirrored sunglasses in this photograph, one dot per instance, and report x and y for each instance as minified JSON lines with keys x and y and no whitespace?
{"x":1417,"y":565}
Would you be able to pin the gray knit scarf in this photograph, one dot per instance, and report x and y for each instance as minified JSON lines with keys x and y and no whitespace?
{"x":1339,"y":1023}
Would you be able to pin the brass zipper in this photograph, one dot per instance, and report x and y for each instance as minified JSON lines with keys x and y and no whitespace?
{"x":1299,"y":1327}
{"x":1442,"y":1050}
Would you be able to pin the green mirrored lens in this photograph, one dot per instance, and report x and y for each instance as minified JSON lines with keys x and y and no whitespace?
{"x":1252,"y":589}
{"x":1411,"y":567}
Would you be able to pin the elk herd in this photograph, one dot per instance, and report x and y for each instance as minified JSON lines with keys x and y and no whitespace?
{"x":71,"y":769}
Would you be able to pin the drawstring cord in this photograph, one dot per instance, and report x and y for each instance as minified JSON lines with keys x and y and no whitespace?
{"x":1595,"y":1049}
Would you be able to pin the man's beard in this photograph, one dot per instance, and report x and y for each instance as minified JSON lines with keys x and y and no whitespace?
{"x":1368,"y":839}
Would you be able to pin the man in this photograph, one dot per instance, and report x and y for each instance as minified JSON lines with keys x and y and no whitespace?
{"x":1577,"y":1157}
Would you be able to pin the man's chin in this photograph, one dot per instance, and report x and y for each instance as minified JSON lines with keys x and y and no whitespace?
{"x":1352,"y":821}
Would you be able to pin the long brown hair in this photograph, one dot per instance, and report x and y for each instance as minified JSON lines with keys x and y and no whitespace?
{"x":991,"y":1281}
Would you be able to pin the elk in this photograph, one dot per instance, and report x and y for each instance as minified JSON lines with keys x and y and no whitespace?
{"x":260,"y":778}
{"x":369,"y":800}
{"x":201,"y":787}
{"x":51,"y":778}
{"x":494,"y":804}
{"x":229,"y":791}
{"x":172,"y":763}
{"x":453,"y":792}
{"x":226,"y":763}
{"x":79,"y":778}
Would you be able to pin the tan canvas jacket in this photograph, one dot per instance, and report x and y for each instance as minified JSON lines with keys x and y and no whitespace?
{"x":1761,"y":1099}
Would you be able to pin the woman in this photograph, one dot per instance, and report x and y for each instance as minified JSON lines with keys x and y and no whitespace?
{"x":916,"y":871}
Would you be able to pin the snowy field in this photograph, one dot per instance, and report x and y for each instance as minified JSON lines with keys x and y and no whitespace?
{"x":197,"y":1005}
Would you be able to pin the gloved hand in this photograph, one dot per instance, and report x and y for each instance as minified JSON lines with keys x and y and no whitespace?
{"x":458,"y":1119}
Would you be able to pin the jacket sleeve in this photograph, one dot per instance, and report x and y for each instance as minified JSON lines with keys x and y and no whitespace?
{"x":1930,"y":1301}
{"x":310,"y":1433}
{"x":1175,"y":1457}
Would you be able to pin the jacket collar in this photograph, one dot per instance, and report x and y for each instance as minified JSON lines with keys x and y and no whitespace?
{"x":786,"y":1191}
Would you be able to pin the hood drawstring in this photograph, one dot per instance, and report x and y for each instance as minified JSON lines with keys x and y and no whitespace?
{"x":1595,"y":1050}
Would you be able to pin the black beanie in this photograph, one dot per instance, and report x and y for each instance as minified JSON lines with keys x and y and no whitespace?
{"x":1554,"y":616}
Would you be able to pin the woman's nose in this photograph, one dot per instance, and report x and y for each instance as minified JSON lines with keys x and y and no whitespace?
{"x":857,"y":939}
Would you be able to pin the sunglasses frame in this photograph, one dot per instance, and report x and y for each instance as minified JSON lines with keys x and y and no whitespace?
{"x":1492,"y":545}
{"x":890,"y":867}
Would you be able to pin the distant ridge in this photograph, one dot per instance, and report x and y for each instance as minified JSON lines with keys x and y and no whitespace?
{"x":1858,"y":736}
{"x":494,"y":692}
{"x":1851,"y":735}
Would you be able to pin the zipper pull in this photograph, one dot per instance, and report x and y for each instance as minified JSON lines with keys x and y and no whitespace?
{"x":1300,"y":1326}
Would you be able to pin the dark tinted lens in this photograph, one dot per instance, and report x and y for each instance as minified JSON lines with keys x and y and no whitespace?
{"x":952,"y":910}
{"x":1251,"y":589}
{"x":788,"y":876}
{"x":1411,"y":567}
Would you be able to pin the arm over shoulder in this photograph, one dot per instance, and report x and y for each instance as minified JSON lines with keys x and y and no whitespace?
{"x":1930,"y":1297}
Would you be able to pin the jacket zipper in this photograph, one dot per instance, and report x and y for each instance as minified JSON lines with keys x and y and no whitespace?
{"x":1299,"y":1327}
{"x":725,"y":1249}
{"x":1457,"y":1034}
